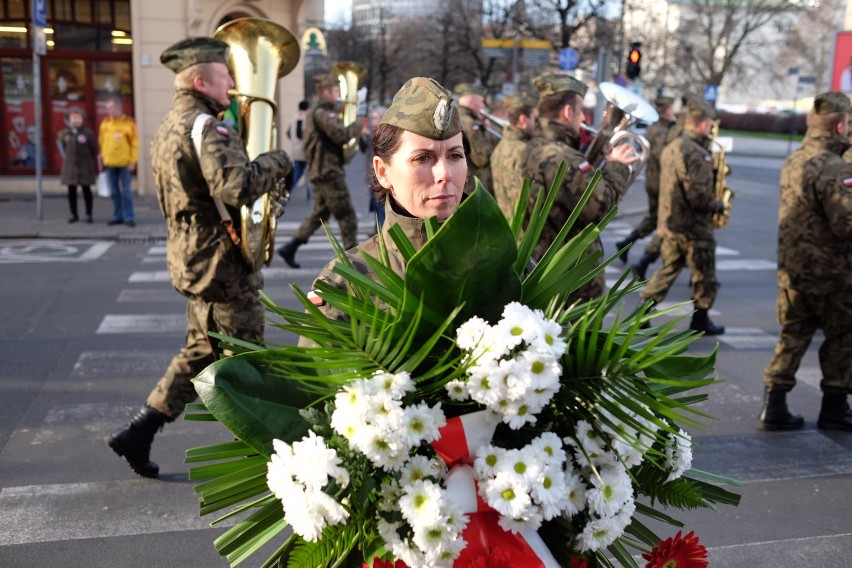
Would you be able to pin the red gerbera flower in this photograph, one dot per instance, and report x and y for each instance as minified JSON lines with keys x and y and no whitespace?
{"x":379,"y":563}
{"x":677,"y":552}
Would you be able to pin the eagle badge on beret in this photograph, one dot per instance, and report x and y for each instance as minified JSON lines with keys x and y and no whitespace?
{"x":441,"y":116}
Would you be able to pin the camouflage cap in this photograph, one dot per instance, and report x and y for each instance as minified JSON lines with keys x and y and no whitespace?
{"x":514,"y":102}
{"x":700,"y":109}
{"x":424,"y":107}
{"x":463,"y":89}
{"x":663,"y":102}
{"x":832,"y":101}
{"x":324,"y":80}
{"x":554,"y":83}
{"x":192,"y":51}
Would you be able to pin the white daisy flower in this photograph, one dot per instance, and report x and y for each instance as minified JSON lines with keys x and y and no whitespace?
{"x":531,"y":521}
{"x":549,"y":447}
{"x":470,"y":333}
{"x":489,"y":460}
{"x":597,"y":534}
{"x":507,"y":495}
{"x":420,"y":423}
{"x":550,"y":492}
{"x":576,"y":489}
{"x":317,"y":462}
{"x":457,"y":390}
{"x":420,"y":504}
{"x":678,"y":455}
{"x":611,"y":490}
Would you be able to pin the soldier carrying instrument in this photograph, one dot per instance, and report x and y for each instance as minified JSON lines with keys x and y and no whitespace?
{"x":471,"y":101}
{"x":204,"y":263}
{"x":506,"y":165}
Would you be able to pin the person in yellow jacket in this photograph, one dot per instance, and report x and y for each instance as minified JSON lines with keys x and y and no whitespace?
{"x":119,"y":144}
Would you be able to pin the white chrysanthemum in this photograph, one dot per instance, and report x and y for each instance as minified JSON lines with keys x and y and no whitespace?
{"x":624,"y":516}
{"x":396,"y":385}
{"x":678,"y":455}
{"x":385,"y":412}
{"x":549,"y":447}
{"x":418,"y":468}
{"x":522,"y":321}
{"x":507,"y":494}
{"x":308,"y":513}
{"x":611,"y":490}
{"x":543,"y":368}
{"x":389,"y":532}
{"x":457,"y":390}
{"x":485,"y":390}
{"x":389,"y":496}
{"x":525,"y":463}
{"x":576,"y":488}
{"x":317,"y":463}
{"x":352,"y":398}
{"x":469,"y":334}
{"x":420,"y":423}
{"x":517,"y":413}
{"x":531,"y":521}
{"x":488,"y":461}
{"x":385,"y":450}
{"x":433,"y":540}
{"x":420,"y":504}
{"x":598,"y":534}
{"x":550,"y":338}
{"x":550,"y":492}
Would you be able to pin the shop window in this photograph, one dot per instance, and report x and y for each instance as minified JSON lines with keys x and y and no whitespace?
{"x":16,"y":10}
{"x":83,"y":11}
{"x":104,"y":11}
{"x":13,"y":35}
{"x":66,"y":79}
{"x":61,"y":11}
{"x":122,"y":14}
{"x":19,"y":114}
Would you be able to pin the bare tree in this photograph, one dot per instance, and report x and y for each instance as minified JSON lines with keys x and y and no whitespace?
{"x":805,"y":47}
{"x":560,"y":20}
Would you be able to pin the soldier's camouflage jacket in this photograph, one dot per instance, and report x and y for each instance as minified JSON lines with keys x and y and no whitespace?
{"x":482,"y":145}
{"x":203,"y":261}
{"x":656,"y":137}
{"x":687,"y":197}
{"x":325,"y":136}
{"x":554,"y":143}
{"x":815,"y":216}
{"x":506,"y":168}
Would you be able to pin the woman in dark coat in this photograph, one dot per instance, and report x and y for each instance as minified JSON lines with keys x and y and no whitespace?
{"x":79,"y":148}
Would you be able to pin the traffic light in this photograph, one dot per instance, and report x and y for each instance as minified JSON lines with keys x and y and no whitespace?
{"x":634,"y":61}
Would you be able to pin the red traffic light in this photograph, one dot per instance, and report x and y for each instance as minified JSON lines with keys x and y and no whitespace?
{"x":634,"y":56}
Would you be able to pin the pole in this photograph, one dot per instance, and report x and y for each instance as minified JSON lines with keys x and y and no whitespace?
{"x":37,"y":104}
{"x":793,"y":114}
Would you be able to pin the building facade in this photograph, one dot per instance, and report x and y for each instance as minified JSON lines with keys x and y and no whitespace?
{"x":101,"y":49}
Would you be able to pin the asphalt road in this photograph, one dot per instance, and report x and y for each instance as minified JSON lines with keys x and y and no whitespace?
{"x":90,"y":321}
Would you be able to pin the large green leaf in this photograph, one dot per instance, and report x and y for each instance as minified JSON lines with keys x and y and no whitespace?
{"x":255,"y":407}
{"x":469,"y":263}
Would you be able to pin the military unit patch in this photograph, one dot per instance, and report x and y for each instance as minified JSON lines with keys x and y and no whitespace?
{"x":315,"y":298}
{"x":223,"y":130}
{"x":585,"y":166}
{"x":847,"y":182}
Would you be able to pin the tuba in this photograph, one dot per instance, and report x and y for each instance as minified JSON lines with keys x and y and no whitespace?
{"x":721,"y":169}
{"x":349,"y":74}
{"x":624,"y":109}
{"x":260,"y":52}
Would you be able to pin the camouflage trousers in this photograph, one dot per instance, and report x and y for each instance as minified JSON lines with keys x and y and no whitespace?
{"x":241,"y":318}
{"x":331,"y":197}
{"x":654,"y":246}
{"x":699,"y":256}
{"x":800,"y":314}
{"x":649,"y":224}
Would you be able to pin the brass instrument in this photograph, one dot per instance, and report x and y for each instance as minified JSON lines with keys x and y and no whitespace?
{"x":349,"y":74}
{"x":260,"y":52}
{"x":624,"y":109}
{"x":721,"y":169}
{"x":500,"y":123}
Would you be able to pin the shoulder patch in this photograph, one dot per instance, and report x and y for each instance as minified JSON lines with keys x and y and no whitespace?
{"x":315,"y":298}
{"x":222,"y":129}
{"x":708,"y":159}
{"x":584,"y":166}
{"x":847,"y":182}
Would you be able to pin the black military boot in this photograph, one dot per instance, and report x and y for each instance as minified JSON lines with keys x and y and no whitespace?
{"x":640,"y":268}
{"x":631,"y":238}
{"x":288,"y":252}
{"x":134,"y":441}
{"x":701,"y":322}
{"x":835,"y":413}
{"x":775,"y":415}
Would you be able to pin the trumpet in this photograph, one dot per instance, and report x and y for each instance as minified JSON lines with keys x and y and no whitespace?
{"x":624,"y":109}
{"x":500,"y":123}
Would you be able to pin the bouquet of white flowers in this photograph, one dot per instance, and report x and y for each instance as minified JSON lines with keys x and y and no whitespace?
{"x":487,"y":420}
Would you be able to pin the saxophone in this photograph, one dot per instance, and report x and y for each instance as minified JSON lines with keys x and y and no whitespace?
{"x":260,"y":53}
{"x":721,"y":169}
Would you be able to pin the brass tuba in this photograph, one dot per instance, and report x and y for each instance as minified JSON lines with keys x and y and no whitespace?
{"x":260,"y":52}
{"x":349,"y":74}
{"x":624,"y":109}
{"x":721,"y":169}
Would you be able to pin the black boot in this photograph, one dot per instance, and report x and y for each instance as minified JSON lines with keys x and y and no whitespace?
{"x":641,"y":267}
{"x":288,"y":252}
{"x":629,"y":239}
{"x":701,"y":322}
{"x":775,"y":415}
{"x":134,"y":441}
{"x":835,"y":413}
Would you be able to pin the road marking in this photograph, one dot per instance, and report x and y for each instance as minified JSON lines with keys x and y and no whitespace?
{"x":143,"y":323}
{"x":19,"y":252}
{"x":748,"y":338}
{"x":120,"y":363}
{"x":149,"y":276}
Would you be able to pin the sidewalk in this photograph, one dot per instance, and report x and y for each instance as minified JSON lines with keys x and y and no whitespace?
{"x":19,"y":215}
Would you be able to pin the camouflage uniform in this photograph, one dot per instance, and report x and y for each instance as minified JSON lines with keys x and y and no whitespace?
{"x":325,"y":136}
{"x":685,"y":222}
{"x":507,"y":168}
{"x":815,"y":263}
{"x":482,"y":144}
{"x":204,"y":263}
{"x":552,"y":144}
{"x":656,"y":136}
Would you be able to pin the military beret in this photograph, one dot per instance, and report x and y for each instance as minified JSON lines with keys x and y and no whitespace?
{"x":192,"y":51}
{"x":514,"y":102}
{"x":325,"y":80}
{"x":424,"y":107}
{"x":463,"y":89}
{"x":554,"y":83}
{"x":663,"y":102}
{"x":700,"y":109}
{"x":832,"y":101}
